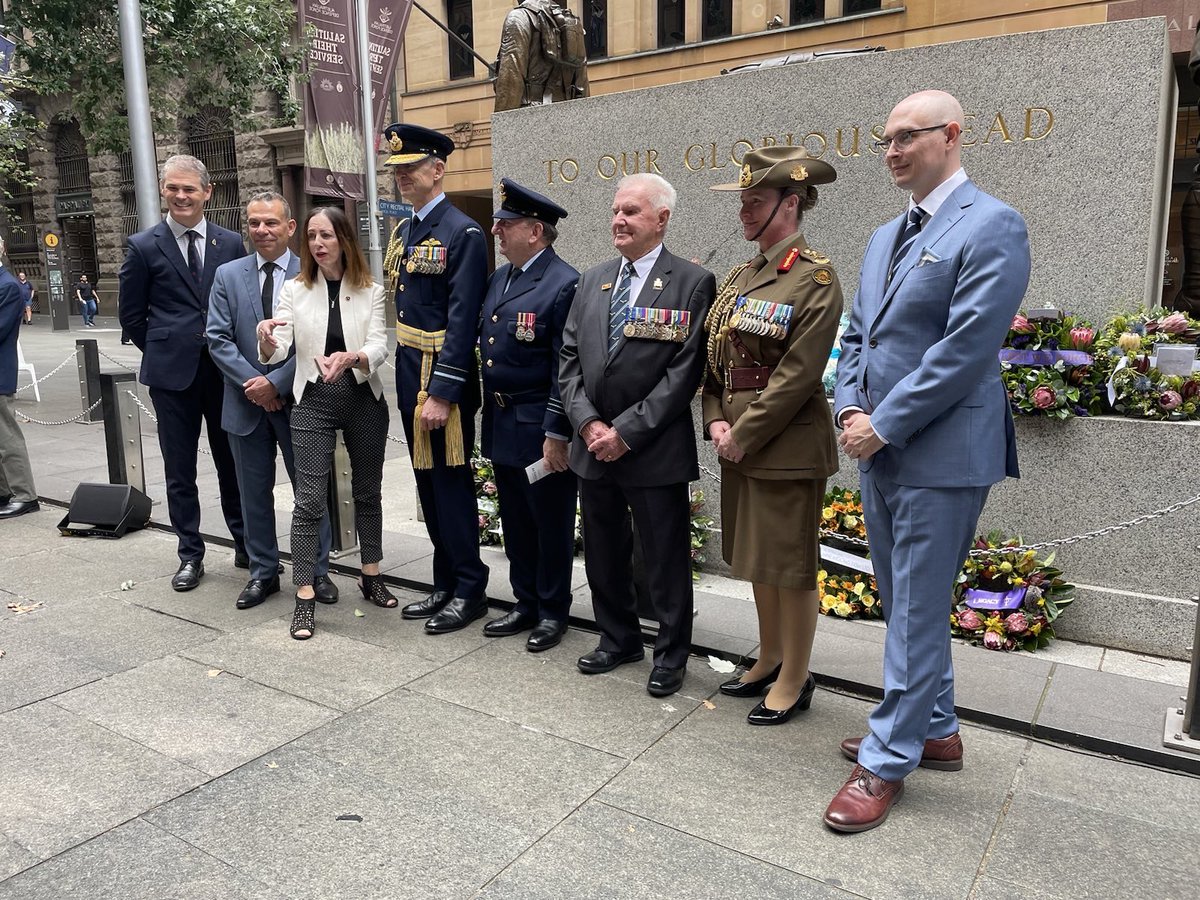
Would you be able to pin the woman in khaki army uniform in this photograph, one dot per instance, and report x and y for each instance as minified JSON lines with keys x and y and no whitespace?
{"x":770,"y":331}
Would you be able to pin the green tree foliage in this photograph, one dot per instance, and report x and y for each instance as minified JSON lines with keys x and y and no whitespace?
{"x":198,"y":53}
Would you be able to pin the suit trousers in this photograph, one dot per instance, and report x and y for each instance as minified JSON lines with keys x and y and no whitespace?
{"x":180,"y":414}
{"x":254,"y":457}
{"x":447,"y":495}
{"x":362,"y":418}
{"x":539,"y":539}
{"x":919,"y":538}
{"x":663,"y":517}
{"x":16,"y":476}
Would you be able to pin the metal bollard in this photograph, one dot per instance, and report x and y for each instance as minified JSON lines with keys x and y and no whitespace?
{"x":341,"y":502}
{"x":1182,"y":730}
{"x":122,"y":430}
{"x":87,"y":361}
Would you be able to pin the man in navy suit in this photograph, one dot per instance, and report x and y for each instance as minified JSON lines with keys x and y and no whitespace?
{"x":441,"y":272}
{"x":164,"y":287}
{"x":524,"y":423}
{"x":925,"y":413}
{"x":18,"y":496}
{"x":257,"y":407}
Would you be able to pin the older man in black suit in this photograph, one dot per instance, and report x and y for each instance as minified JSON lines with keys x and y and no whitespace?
{"x":164,"y":283}
{"x":632,"y":359}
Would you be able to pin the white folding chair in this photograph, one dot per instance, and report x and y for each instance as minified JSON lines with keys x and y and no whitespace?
{"x":28,"y":367}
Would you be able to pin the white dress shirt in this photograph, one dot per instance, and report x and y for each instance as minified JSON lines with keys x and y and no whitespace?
{"x":181,"y":240}
{"x":280,"y":276}
{"x":641,"y":271}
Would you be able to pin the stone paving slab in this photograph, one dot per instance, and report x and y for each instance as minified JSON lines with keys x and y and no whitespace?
{"x":617,"y":856}
{"x":180,"y":708}
{"x":611,"y":712}
{"x":65,"y":779}
{"x":33,"y":671}
{"x":136,"y":861}
{"x":212,"y":603}
{"x":762,"y":792}
{"x":13,"y":859}
{"x":334,"y":671}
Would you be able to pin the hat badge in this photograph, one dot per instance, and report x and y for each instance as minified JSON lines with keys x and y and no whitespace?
{"x":396,"y":144}
{"x":799,"y":173}
{"x":746,"y":176}
{"x":503,"y":194}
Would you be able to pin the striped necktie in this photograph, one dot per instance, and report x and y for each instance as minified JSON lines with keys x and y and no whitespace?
{"x":911,"y":229}
{"x":616,"y":307}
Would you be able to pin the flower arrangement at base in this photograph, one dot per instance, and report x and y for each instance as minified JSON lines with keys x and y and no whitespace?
{"x":1046,"y":366}
{"x":1144,"y":392}
{"x":1008,"y":600}
{"x":701,"y":531}
{"x":486,"y":505}
{"x":842,"y":517}
{"x":852,"y":595}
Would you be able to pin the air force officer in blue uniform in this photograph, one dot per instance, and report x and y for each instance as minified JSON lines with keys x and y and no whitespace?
{"x":524,"y":421}
{"x":164,"y":287}
{"x":440,"y":261}
{"x":258,"y":396}
{"x":925,"y":414}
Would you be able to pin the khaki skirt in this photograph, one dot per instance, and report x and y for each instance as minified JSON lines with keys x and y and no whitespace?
{"x":770,"y":529}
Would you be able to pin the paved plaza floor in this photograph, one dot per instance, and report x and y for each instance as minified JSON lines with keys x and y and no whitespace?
{"x":164,"y":745}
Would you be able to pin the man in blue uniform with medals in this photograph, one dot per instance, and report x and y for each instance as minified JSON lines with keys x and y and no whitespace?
{"x":524,"y":423}
{"x":440,"y":264}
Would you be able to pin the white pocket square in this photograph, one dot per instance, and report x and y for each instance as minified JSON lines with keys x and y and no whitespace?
{"x":927,"y":257}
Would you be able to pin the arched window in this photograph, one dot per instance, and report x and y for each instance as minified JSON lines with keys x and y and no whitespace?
{"x":210,"y":140}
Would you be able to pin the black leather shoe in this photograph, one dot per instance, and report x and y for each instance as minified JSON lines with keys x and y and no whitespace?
{"x":14,"y":508}
{"x":600,"y":661}
{"x":188,"y":576}
{"x":431,"y":605}
{"x":325,"y":589}
{"x":456,"y":614}
{"x":256,"y":591}
{"x":664,"y":681}
{"x":764,"y":715}
{"x":738,"y":688}
{"x":241,"y":559}
{"x":547,"y":634}
{"x":507,"y":625}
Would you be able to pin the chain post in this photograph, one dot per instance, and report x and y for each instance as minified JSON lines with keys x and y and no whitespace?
{"x":87,"y":361}
{"x":122,"y":431}
{"x":341,"y":502}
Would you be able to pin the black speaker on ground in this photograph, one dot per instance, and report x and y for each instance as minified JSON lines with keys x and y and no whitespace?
{"x":106,"y":510}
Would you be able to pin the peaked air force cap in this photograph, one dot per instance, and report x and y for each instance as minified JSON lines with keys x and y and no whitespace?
{"x":414,"y":143}
{"x":517,"y":202}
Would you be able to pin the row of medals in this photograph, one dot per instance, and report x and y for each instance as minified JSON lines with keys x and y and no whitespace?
{"x":638,"y":327}
{"x":761,"y":318}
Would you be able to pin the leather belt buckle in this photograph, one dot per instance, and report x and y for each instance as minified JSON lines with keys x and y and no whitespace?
{"x":499,"y":398}
{"x":750,"y":377}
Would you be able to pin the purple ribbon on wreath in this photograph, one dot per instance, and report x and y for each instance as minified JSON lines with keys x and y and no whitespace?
{"x":1044,"y":357}
{"x":977,"y":598}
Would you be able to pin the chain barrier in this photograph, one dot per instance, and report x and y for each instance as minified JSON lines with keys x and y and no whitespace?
{"x":149,"y":415}
{"x":83,"y":415}
{"x":117,"y":362}
{"x":1024,"y":548}
{"x":54,"y":371}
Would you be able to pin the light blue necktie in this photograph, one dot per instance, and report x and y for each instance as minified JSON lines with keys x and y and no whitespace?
{"x":911,"y":229}
{"x":616,"y":309}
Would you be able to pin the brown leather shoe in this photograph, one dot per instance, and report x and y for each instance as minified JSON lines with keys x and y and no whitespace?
{"x":863,"y":802}
{"x":944,"y":754}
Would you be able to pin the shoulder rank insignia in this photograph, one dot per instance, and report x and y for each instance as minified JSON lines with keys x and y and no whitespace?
{"x":822,"y":276}
{"x":473,"y":230}
{"x":785,"y":264}
{"x":816,"y":256}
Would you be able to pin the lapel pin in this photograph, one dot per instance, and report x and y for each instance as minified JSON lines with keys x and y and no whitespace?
{"x":606,"y":287}
{"x":214,"y":242}
{"x":658,"y":284}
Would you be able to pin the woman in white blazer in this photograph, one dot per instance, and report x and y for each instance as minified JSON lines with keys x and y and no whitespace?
{"x":333,"y":313}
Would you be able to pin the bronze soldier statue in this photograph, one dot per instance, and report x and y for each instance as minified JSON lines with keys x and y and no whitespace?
{"x":542,"y":56}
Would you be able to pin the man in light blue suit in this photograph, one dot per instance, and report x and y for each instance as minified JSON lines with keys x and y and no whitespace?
{"x":925,"y":413}
{"x":257,"y":401}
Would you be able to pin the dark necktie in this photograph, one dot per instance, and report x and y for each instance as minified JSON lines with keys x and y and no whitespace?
{"x":912,"y":228}
{"x":512,"y":279}
{"x":194,"y":255}
{"x":616,"y":308}
{"x":268,"y":290}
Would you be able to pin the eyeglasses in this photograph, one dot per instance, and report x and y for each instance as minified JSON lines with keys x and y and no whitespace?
{"x":903,"y":139}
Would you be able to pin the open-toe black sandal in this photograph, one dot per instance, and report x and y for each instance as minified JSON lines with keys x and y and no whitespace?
{"x":304,"y":618}
{"x":376,"y":591}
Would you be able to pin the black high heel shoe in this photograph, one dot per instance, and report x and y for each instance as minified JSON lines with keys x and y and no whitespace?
{"x":736,"y":688}
{"x":376,"y":591}
{"x":304,"y":618}
{"x":764,"y":715}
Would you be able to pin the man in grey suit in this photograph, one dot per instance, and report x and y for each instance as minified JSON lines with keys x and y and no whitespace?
{"x":632,"y":359}
{"x":257,"y":397}
{"x":925,"y":413}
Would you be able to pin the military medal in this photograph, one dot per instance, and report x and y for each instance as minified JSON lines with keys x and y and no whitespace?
{"x":525,"y":326}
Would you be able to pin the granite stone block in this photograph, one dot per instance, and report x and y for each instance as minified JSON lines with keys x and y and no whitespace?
{"x":66,"y":779}
{"x":207,"y":719}
{"x":136,"y":861}
{"x":601,"y":852}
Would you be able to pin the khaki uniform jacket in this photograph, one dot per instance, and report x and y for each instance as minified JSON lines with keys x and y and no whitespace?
{"x":525,"y":76}
{"x":786,"y":429}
